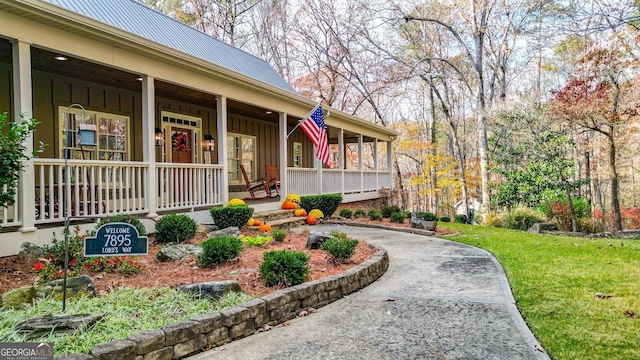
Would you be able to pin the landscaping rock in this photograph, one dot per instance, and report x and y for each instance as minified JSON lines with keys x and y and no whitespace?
{"x":605,"y":234}
{"x":232,"y":230}
{"x":418,"y":223}
{"x":316,"y":239}
{"x":206,"y":228}
{"x":625,"y":234}
{"x":57,"y":323}
{"x":76,"y":286}
{"x":30,"y":251}
{"x":213,"y":289}
{"x":147,"y":341}
{"x":16,"y":298}
{"x":120,"y":350}
{"x":177,"y":252}
{"x":538,"y":228}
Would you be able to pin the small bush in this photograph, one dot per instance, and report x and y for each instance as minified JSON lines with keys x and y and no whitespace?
{"x":445,"y":219}
{"x":375,"y":215}
{"x":284,"y":268}
{"x":279,"y":235}
{"x":407,"y":214}
{"x":359,"y":213}
{"x":218,"y":250}
{"x":316,"y":213}
{"x":522,"y":218}
{"x":346,"y":213}
{"x":493,"y":219}
{"x":326,"y":203}
{"x":228,"y":216}
{"x":429,"y":216}
{"x":175,"y":228}
{"x":460,"y":219}
{"x":340,"y":247}
{"x":124,"y":218}
{"x":397,"y":217}
{"x":388,"y":210}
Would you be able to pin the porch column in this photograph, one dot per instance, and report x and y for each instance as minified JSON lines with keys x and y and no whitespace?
{"x":23,"y":104}
{"x":389,"y":164}
{"x":221,"y":121}
{"x":360,"y":162}
{"x":341,"y":158}
{"x":282,"y":125}
{"x":375,"y":160}
{"x":148,"y":142}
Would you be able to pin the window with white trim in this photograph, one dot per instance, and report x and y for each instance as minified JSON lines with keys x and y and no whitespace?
{"x":297,"y":154}
{"x":241,"y":150}
{"x":112,"y":135}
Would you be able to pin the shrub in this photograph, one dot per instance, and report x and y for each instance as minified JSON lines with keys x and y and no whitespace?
{"x":388,"y":210}
{"x":255,"y":240}
{"x":218,"y":250}
{"x":346,"y":213}
{"x":407,"y":214}
{"x":445,"y":219}
{"x":359,"y":213}
{"x":429,"y":216}
{"x":521,"y":218}
{"x":124,"y":218}
{"x":175,"y":228}
{"x":493,"y":219}
{"x":557,"y":209}
{"x":375,"y":215}
{"x":284,"y":268}
{"x":228,"y":216}
{"x":279,"y":235}
{"x":460,"y":219}
{"x":326,"y":203}
{"x":340,"y":247}
{"x":397,"y":217}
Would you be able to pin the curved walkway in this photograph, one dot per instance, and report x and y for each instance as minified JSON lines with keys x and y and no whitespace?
{"x":438,"y":300}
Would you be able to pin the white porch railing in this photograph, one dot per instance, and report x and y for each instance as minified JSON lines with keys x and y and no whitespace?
{"x":331,"y":181}
{"x":91,"y":187}
{"x":9,"y":215}
{"x":186,"y":186}
{"x":302,"y":181}
{"x":369,"y":181}
{"x":384,"y":179}
{"x":352,"y":181}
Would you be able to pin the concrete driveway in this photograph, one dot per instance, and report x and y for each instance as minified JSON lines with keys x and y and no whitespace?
{"x":438,"y":300}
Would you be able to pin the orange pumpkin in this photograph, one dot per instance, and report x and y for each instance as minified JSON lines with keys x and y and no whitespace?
{"x":299,"y":212}
{"x":311,"y":220}
{"x":264,"y":229}
{"x":289,"y":205}
{"x":256,"y":222}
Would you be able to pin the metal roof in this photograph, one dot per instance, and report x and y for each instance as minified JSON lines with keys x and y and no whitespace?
{"x":139,"y":19}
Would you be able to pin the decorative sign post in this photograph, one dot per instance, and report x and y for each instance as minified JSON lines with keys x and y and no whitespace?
{"x":116,"y":239}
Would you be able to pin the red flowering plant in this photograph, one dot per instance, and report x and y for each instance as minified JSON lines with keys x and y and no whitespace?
{"x":51,"y":267}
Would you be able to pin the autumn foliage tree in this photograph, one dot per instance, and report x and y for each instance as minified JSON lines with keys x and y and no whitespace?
{"x":596,"y":100}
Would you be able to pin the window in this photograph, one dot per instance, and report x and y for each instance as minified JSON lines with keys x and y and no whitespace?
{"x":297,"y":154}
{"x":112,"y":135}
{"x":241,"y":150}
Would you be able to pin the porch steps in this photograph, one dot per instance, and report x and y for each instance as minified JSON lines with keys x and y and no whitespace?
{"x":279,"y":219}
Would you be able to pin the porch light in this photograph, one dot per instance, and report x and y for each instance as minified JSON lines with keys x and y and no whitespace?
{"x":159,"y":137}
{"x":209,"y":142}
{"x":61,"y":58}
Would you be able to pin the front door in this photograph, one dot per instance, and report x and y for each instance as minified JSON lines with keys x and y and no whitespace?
{"x":181,"y":146}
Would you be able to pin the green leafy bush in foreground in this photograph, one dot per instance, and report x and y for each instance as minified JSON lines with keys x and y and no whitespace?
{"x":218,"y":250}
{"x":340,"y":247}
{"x":346,"y":213}
{"x":284,"y":268}
{"x":175,"y":228}
{"x":398,"y":217}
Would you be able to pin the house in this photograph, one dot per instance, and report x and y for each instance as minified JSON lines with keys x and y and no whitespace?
{"x":151,"y":116}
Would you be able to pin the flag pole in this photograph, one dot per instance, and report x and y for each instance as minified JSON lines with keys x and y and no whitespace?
{"x":303,"y":119}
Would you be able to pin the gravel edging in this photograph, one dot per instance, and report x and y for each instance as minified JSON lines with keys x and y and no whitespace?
{"x":214,"y":329}
{"x":383,"y":227}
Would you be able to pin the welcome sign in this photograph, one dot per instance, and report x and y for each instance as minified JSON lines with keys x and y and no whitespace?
{"x":116,"y":239}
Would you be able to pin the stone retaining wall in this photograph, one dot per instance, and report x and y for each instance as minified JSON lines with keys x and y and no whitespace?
{"x":187,"y":337}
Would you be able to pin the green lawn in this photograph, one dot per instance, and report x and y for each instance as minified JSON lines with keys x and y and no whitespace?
{"x":554,"y":280}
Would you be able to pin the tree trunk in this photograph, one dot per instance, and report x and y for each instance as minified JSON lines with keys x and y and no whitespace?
{"x":615,"y":192}
{"x":587,"y":165}
{"x":403,"y":196}
{"x":433,"y":201}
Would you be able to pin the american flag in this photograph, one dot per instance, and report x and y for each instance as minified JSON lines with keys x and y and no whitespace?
{"x":316,"y":130}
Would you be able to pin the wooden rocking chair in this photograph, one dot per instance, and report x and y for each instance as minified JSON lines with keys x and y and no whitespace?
{"x":254,"y":186}
{"x":273,"y":180}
